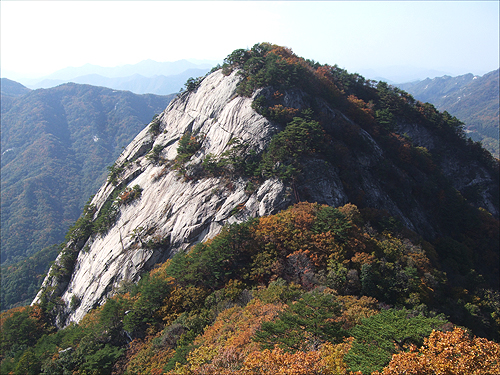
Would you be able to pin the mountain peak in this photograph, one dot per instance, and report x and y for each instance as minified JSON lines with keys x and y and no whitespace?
{"x":267,"y":130}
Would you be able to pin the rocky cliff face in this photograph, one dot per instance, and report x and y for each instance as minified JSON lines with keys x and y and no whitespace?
{"x":178,"y":211}
{"x":175,"y":209}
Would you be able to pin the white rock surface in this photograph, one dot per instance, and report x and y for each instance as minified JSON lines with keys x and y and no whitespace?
{"x":185,"y":212}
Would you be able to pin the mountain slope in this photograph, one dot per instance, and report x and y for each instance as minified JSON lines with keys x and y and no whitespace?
{"x":12,"y":88}
{"x":474,"y":100}
{"x":56,"y":144}
{"x":10,"y":91}
{"x":265,"y":131}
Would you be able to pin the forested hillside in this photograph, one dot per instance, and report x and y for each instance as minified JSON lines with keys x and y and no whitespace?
{"x":474,"y":100}
{"x":400,"y":278}
{"x":312,"y":290}
{"x":10,"y":91}
{"x":12,"y":88}
{"x":56,"y":145}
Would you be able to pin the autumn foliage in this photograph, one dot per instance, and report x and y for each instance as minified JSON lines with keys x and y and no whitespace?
{"x":443,"y":353}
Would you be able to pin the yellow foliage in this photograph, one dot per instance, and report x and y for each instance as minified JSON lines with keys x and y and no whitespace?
{"x":354,"y":309}
{"x":277,"y":361}
{"x":161,"y":270}
{"x":224,"y":345}
{"x":448,"y":353}
{"x":332,"y":358}
{"x":148,"y":358}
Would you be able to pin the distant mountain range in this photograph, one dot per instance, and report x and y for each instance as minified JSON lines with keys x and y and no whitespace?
{"x":401,"y":74}
{"x":56,"y":144}
{"x":146,"y":77}
{"x":472,"y":99}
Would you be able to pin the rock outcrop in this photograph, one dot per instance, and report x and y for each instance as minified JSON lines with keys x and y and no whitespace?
{"x":179,"y":212}
{"x":175,"y":210}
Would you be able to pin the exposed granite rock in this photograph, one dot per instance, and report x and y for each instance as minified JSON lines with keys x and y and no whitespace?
{"x":172,"y":213}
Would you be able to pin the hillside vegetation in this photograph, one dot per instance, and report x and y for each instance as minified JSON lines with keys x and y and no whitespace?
{"x":56,"y":145}
{"x":313,"y":289}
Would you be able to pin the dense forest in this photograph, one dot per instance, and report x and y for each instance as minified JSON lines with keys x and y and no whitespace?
{"x":313,"y":289}
{"x":56,"y":145}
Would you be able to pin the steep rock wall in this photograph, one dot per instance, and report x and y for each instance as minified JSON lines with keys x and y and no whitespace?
{"x":177,"y":211}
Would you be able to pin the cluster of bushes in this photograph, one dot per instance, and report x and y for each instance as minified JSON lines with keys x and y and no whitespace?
{"x":154,"y":154}
{"x":114,"y":173}
{"x":154,"y":126}
{"x":129,"y":194}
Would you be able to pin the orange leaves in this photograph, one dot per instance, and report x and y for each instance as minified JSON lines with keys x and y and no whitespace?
{"x":289,"y":230}
{"x":325,"y":72}
{"x":327,"y":360}
{"x":277,"y":361}
{"x":446,"y":353}
{"x":361,"y":111}
{"x":147,"y":358}
{"x":225,"y":344}
{"x":282,"y":113}
{"x":354,"y":309}
{"x":180,"y":299}
{"x":361,"y":258}
{"x":332,"y":357}
{"x":302,"y":238}
{"x":282,"y":51}
{"x":161,"y":270}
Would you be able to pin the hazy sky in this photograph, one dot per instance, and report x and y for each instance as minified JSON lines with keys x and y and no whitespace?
{"x":40,"y":37}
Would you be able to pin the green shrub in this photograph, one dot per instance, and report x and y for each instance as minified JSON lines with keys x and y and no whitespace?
{"x":189,"y":144}
{"x":154,"y":127}
{"x":128,"y":195}
{"x":114,"y":172}
{"x":300,"y":138}
{"x":304,"y":324}
{"x":379,"y":337}
{"x":154,"y":154}
{"x":193,"y":83}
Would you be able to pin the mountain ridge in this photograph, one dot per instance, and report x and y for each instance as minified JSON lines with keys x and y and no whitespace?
{"x":385,"y":236}
{"x":137,"y":83}
{"x":171,"y":75}
{"x":173,"y":172}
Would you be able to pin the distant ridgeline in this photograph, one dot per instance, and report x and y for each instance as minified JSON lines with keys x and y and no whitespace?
{"x":474,"y":100}
{"x":280,"y":216}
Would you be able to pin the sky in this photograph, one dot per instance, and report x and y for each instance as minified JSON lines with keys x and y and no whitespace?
{"x":456,"y":37}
